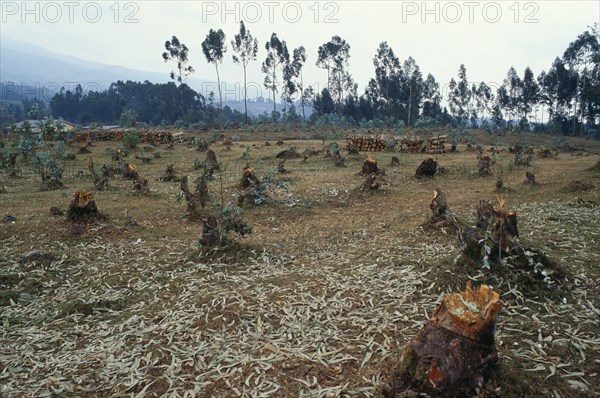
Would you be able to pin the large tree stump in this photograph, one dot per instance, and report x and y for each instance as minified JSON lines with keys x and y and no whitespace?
{"x":427,"y":168}
{"x":129,"y":171}
{"x":454,"y":353}
{"x":369,"y":166}
{"x":83,"y":207}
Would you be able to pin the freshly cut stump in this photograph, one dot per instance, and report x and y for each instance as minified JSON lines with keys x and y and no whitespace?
{"x":83,"y":207}
{"x":369,"y":166}
{"x":454,"y":353}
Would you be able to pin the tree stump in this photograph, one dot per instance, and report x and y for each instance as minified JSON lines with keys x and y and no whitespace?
{"x":140,"y":185}
{"x":485,"y":162}
{"x":83,"y":207}
{"x":427,"y":168}
{"x":395,"y":161}
{"x":51,"y":183}
{"x":281,"y":167}
{"x":99,"y":182}
{"x":454,"y":353}
{"x":369,"y":166}
{"x":210,"y":232}
{"x":290,"y":153}
{"x":249,"y":178}
{"x":339,"y":161}
{"x":211,"y":161}
{"x":372,"y":183}
{"x":442,"y":216}
{"x":529,"y":178}
{"x":497,"y":227}
{"x":197,"y":200}
{"x":129,"y":171}
{"x":169,"y":174}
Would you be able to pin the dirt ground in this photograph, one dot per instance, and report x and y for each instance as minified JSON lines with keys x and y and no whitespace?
{"x":317,"y":302}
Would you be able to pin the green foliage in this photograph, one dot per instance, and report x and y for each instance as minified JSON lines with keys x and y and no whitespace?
{"x":269,"y":190}
{"x":246,"y":154}
{"x":131,"y":140}
{"x":128,"y":118}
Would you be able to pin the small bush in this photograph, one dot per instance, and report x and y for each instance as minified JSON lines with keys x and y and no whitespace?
{"x":131,"y":140}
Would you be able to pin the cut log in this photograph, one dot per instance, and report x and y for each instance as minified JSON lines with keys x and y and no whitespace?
{"x":427,"y":168}
{"x":454,"y":353}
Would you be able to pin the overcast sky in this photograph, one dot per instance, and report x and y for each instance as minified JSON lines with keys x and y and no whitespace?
{"x":487,"y":36}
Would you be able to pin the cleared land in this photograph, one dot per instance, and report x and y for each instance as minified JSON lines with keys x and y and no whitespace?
{"x":318,"y":301}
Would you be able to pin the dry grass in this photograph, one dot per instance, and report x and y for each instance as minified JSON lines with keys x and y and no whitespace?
{"x":317,"y":302}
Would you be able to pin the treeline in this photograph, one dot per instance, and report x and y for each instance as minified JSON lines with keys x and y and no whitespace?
{"x":398,"y":94}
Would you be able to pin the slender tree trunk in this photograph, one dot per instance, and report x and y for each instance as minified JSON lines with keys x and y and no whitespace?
{"x":274,"y":87}
{"x":245,"y":96}
{"x":220,"y":97}
{"x":302,"y":96}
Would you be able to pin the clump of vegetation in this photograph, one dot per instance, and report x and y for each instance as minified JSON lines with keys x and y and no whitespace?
{"x":131,"y":140}
{"x":269,"y":190}
{"x":216,"y":230}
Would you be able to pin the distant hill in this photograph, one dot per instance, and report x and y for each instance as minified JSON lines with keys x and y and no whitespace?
{"x":28,"y":71}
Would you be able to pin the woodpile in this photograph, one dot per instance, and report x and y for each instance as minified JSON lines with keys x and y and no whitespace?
{"x":454,"y":354}
{"x":365,"y":143}
{"x":412,"y":144}
{"x":436,"y":144}
{"x":146,"y":136}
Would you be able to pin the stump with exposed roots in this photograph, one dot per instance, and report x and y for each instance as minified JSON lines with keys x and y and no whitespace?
{"x":427,"y":168}
{"x":454,"y":353}
{"x":83,"y":208}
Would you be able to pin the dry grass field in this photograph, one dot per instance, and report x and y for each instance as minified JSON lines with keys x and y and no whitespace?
{"x":317,"y":302}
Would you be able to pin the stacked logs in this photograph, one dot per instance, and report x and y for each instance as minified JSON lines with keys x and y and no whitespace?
{"x":412,"y":144}
{"x":366,"y":143}
{"x":436,"y":144}
{"x":146,"y":136}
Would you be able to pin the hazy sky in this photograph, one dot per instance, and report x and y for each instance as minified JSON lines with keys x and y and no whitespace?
{"x":487,"y":36}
